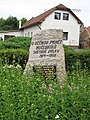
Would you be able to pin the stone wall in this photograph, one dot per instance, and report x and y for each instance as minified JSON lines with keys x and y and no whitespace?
{"x":85,"y":39}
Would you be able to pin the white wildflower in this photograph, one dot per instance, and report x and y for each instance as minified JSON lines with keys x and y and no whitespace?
{"x":10,"y":66}
{"x":57,"y":116}
{"x":18,"y":66}
{"x":7,"y":66}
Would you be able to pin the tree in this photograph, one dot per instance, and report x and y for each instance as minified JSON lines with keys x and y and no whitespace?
{"x":11,"y":23}
{"x":23,"y":20}
{"x":2,"y":21}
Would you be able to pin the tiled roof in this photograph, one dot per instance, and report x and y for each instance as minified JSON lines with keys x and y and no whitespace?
{"x":40,"y":18}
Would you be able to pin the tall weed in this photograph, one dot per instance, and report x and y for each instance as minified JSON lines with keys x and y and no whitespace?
{"x":24,"y":97}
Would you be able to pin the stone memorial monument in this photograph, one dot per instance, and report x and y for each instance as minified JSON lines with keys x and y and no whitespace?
{"x":47,"y":54}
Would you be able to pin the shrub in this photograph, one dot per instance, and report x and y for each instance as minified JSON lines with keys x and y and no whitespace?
{"x":76,"y":59}
{"x":24,"y":98}
{"x":14,"y":56}
{"x":68,"y":49}
{"x":73,"y":59}
{"x":16,"y":42}
{"x":84,"y":58}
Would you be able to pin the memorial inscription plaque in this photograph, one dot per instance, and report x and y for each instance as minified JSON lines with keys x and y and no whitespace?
{"x":45,"y":49}
{"x":47,"y":53}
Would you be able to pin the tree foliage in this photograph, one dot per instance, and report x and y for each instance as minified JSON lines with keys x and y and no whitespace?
{"x":11,"y":23}
{"x":2,"y":21}
{"x":23,"y":20}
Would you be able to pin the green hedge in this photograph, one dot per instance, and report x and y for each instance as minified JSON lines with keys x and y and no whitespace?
{"x":16,"y":42}
{"x":73,"y":59}
{"x":14,"y":56}
{"x":77,"y":59}
{"x":68,"y":49}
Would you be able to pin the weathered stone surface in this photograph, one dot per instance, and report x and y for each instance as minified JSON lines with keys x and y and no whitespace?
{"x":47,"y":50}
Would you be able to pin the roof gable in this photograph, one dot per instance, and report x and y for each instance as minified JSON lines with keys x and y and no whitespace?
{"x":40,"y":18}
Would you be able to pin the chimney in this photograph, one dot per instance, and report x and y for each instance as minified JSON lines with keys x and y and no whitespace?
{"x":19,"y":23}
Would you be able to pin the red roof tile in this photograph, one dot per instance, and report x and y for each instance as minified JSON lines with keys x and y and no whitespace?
{"x":40,"y":18}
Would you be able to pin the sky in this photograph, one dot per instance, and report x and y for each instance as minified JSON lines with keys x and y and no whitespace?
{"x":32,"y":8}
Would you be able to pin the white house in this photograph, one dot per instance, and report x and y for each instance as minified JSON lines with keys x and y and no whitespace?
{"x":7,"y":34}
{"x":58,"y":17}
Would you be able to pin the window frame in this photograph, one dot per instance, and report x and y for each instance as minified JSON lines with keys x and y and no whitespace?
{"x":65,"y":35}
{"x":57,"y":16}
{"x":65,"y":16}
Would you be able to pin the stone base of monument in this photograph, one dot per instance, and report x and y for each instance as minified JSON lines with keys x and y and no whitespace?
{"x":47,"y":55}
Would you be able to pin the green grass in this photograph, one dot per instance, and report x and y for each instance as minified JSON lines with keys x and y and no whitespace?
{"x":25,"y":98}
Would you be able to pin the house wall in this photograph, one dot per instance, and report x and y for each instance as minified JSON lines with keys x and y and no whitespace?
{"x":71,"y":26}
{"x":29,"y":32}
{"x":10,"y":33}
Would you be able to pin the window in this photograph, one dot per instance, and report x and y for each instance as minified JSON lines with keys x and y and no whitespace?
{"x":28,"y":34}
{"x":65,"y":35}
{"x":57,"y":16}
{"x":31,"y":34}
{"x":25,"y":34}
{"x":65,"y":16}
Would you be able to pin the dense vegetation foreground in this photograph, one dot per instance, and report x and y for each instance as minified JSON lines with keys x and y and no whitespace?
{"x":24,"y":97}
